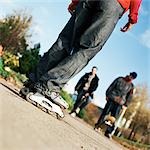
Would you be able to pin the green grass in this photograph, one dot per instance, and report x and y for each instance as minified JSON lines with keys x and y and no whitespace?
{"x":67,"y":98}
{"x":131,"y":144}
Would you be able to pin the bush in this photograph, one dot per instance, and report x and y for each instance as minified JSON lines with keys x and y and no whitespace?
{"x":15,"y":77}
{"x":82,"y":114}
{"x":29,"y":60}
{"x":11,"y":60}
{"x":67,"y":98}
{"x":3,"y":73}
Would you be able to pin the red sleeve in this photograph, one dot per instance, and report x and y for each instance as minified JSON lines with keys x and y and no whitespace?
{"x":73,"y":5}
{"x":134,"y":8}
{"x":75,"y":2}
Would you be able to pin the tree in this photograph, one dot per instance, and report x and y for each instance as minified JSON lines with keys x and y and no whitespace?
{"x":140,"y":123}
{"x":140,"y":119}
{"x":139,"y":99}
{"x":14,"y":32}
{"x":11,"y":60}
{"x":29,"y":60}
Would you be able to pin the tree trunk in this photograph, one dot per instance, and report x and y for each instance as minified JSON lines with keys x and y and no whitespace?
{"x":130,"y":135}
{"x":133,"y":136}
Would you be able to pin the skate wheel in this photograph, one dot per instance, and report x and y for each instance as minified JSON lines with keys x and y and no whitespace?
{"x":44,"y":109}
{"x":24,"y":91}
{"x":38,"y":105}
{"x":28,"y":96}
{"x":59,"y":117}
{"x":49,"y":112}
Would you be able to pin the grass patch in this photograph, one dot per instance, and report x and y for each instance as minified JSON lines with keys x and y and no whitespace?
{"x":131,"y":144}
{"x":67,"y":98}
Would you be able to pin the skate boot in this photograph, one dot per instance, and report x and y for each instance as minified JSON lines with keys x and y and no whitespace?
{"x":41,"y":100}
{"x":57,"y":99}
{"x":28,"y":86}
{"x":52,"y":96}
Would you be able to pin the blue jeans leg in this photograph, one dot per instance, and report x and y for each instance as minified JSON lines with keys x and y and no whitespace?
{"x":102,"y":23}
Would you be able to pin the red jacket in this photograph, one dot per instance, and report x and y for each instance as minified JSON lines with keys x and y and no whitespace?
{"x":131,"y":5}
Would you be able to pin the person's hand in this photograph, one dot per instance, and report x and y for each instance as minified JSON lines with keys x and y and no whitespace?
{"x":87,"y":94}
{"x":127,"y":27}
{"x":124,"y":107}
{"x":71,"y":8}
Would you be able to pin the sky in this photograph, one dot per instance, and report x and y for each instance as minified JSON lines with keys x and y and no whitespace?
{"x":123,"y":52}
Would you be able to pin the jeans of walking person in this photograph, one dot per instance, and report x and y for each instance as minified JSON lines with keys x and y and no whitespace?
{"x":81,"y":39}
{"x":110,"y":107}
{"x":80,"y":101}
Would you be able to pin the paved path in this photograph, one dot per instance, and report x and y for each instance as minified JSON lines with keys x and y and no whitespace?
{"x":25,"y":127}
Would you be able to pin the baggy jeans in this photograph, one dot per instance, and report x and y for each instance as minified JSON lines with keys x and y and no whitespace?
{"x":81,"y":39}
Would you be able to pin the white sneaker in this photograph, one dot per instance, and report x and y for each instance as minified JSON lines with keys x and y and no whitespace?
{"x":99,"y":130}
{"x":73,"y":114}
{"x":77,"y":110}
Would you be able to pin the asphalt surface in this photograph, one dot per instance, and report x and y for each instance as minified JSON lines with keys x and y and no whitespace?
{"x":23,"y":126}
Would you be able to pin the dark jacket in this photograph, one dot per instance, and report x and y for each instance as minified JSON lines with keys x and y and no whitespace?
{"x":84,"y":79}
{"x":120,"y":91}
